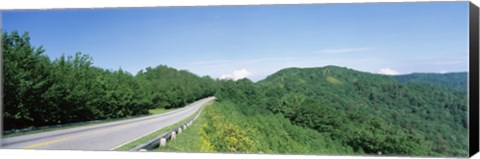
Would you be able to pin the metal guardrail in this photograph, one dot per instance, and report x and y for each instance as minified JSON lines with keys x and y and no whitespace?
{"x":157,"y":141}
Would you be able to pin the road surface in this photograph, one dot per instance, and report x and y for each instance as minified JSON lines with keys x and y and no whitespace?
{"x":106,"y":136}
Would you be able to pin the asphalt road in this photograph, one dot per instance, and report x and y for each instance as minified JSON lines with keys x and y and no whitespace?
{"x":106,"y":136}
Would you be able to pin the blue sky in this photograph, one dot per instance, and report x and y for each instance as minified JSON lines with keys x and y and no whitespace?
{"x":256,"y":41}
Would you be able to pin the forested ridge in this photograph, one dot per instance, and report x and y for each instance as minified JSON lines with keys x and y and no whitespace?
{"x":455,"y":80}
{"x":39,"y":91}
{"x":331,"y":109}
{"x":368,"y":113}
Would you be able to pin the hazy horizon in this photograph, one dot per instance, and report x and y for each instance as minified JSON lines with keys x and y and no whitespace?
{"x":240,"y":77}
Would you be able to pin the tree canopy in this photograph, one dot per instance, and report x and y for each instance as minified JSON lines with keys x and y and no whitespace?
{"x":323,"y":109}
{"x":39,"y":91}
{"x":368,"y":112}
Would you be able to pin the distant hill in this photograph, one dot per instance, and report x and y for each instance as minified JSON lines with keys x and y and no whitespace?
{"x":433,"y":106}
{"x":338,"y":110}
{"x":457,"y":80}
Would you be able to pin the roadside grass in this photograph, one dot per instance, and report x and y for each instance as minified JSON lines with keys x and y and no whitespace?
{"x":223,"y":128}
{"x":148,"y":137}
{"x":188,"y":140}
{"x":88,"y":123}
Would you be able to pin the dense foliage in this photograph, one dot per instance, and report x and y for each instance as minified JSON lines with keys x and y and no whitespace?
{"x":39,"y":92}
{"x":223,"y":127}
{"x":296,"y":110}
{"x":457,"y":80}
{"x":370,"y":113}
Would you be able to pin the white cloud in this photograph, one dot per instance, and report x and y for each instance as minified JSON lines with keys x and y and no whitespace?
{"x":388,"y":71}
{"x":222,"y":68}
{"x":236,"y":75}
{"x":345,"y":50}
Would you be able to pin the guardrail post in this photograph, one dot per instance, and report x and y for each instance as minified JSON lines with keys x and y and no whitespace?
{"x":163,"y":138}
{"x":163,"y":142}
{"x":174,"y":136}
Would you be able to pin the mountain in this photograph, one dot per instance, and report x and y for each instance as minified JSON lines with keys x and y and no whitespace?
{"x":370,"y":113}
{"x":329,"y":109}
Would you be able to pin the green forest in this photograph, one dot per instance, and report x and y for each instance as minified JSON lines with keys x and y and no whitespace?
{"x":363,"y":112}
{"x":323,"y":110}
{"x":39,"y":91}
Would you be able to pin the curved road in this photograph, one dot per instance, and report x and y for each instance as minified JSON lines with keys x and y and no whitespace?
{"x":106,"y":136}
